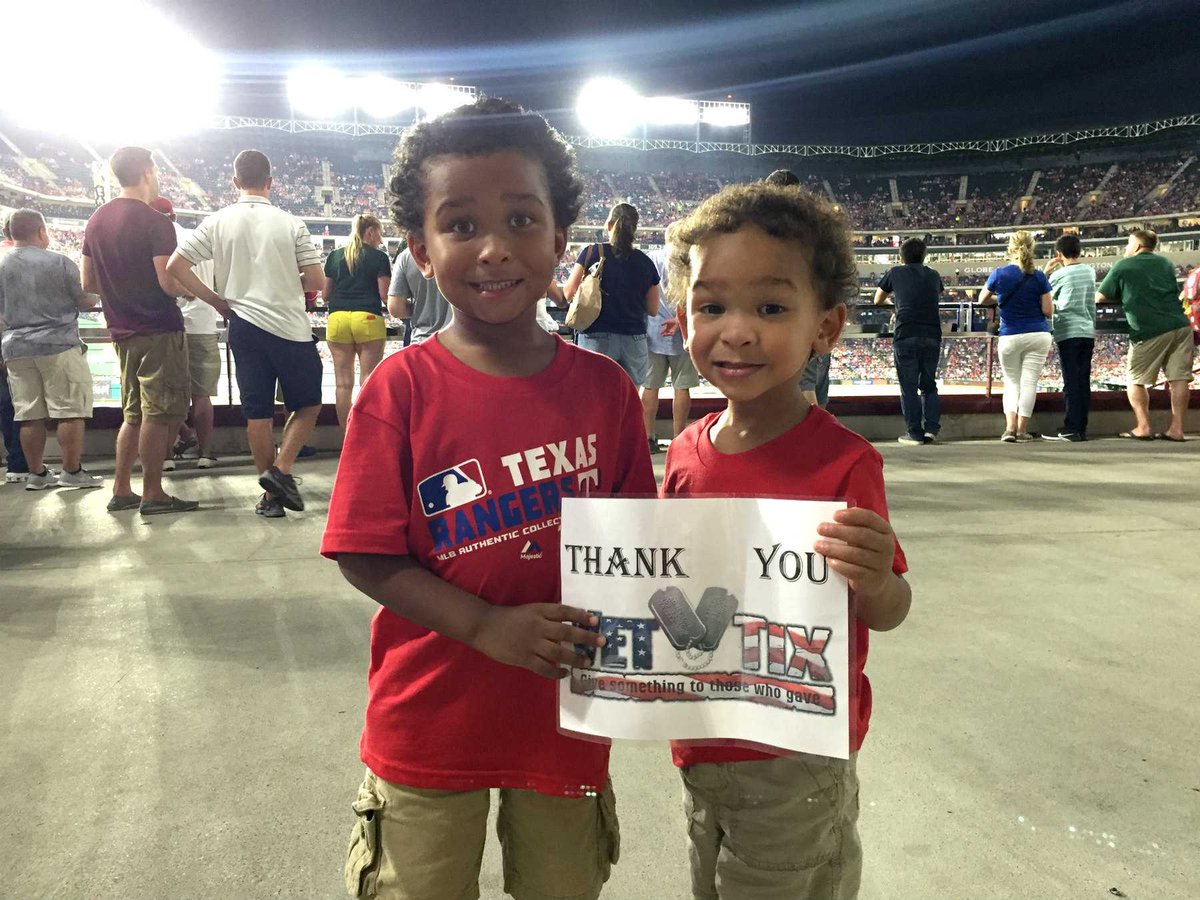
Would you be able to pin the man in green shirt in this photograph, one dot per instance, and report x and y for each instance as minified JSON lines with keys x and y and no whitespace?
{"x":1160,"y":337}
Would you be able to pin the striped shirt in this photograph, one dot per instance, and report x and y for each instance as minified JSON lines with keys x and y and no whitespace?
{"x":257,"y":251}
{"x":1073,"y":289}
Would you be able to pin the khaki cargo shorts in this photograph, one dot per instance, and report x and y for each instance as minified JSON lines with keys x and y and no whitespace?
{"x":683,"y":372}
{"x":58,"y":386}
{"x":154,"y":377}
{"x":1170,"y":353}
{"x":204,"y":364}
{"x":418,"y":844}
{"x":777,"y":829}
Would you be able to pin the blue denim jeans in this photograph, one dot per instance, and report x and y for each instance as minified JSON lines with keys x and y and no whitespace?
{"x":629,"y":350}
{"x":916,"y":369}
{"x":11,"y":430}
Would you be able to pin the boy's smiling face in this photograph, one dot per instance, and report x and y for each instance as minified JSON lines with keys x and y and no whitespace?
{"x":754,"y":316}
{"x":489,"y":236}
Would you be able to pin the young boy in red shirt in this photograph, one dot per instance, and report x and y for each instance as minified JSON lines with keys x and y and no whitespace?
{"x":763,"y":271}
{"x":446,"y":511}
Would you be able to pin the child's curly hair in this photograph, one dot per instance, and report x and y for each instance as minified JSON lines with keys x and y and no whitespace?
{"x":787,"y":213}
{"x":489,"y":125}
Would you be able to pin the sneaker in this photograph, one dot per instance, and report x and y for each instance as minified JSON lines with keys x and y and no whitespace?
{"x":206,"y":461}
{"x":15,"y":477}
{"x":168,"y":465}
{"x":282,"y":486}
{"x":48,"y":479}
{"x":1009,"y":437}
{"x":269,"y":507}
{"x":306,"y":451}
{"x":931,"y":438}
{"x":182,"y":447}
{"x":80,"y":478}
{"x":1025,"y":437}
{"x":1071,"y":436}
{"x":910,"y":441}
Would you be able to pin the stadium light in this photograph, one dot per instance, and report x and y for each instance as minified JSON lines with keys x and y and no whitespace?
{"x":384,"y":98}
{"x":608,"y":108}
{"x":319,"y":91}
{"x":115,"y":100}
{"x":725,"y":115}
{"x":670,"y":111}
{"x":438,"y":99}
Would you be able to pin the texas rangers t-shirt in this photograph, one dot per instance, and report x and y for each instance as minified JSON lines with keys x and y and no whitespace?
{"x":466,"y":472}
{"x":819,"y":459}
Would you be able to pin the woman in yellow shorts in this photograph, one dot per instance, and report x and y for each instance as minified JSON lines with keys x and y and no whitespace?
{"x":356,"y":283}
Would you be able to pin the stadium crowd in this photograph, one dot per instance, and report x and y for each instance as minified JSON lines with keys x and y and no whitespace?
{"x":199,"y":175}
{"x":967,"y":361}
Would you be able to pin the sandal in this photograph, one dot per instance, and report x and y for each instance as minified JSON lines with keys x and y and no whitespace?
{"x":1130,"y":436}
{"x":1163,"y":436}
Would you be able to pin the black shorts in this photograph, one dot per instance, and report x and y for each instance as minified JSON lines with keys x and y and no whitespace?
{"x":261,"y":359}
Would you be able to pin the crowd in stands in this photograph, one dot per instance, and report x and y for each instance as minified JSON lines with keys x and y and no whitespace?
{"x":866,"y":202}
{"x":199,"y":177}
{"x":929,"y":200}
{"x":1183,"y":195}
{"x":1059,"y":191}
{"x":965,"y":362}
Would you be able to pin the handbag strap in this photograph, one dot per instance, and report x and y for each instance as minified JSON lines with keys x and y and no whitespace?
{"x":1013,"y":292}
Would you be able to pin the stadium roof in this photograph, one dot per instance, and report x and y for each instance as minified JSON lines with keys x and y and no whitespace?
{"x":839,"y":72}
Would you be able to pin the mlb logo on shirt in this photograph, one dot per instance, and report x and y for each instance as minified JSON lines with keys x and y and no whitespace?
{"x":452,"y":488}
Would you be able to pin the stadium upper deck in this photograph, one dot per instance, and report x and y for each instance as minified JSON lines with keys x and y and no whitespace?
{"x":331,"y":176}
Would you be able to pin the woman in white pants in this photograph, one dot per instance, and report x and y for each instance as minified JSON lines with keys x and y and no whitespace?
{"x":1023,"y":295}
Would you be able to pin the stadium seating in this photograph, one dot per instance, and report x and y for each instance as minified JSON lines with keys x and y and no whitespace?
{"x":316,"y":178}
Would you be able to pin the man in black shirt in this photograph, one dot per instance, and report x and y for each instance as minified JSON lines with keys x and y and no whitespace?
{"x":917,"y":344}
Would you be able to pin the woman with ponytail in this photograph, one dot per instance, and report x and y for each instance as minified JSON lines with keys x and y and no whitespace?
{"x":629,"y":287}
{"x":356,"y":282}
{"x":1023,"y":294}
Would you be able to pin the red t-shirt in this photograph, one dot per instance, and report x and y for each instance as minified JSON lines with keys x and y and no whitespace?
{"x":122,"y":238}
{"x":465,"y":472}
{"x":819,"y":459}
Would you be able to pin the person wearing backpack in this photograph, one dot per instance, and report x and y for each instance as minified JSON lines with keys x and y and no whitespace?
{"x":1023,"y":294}
{"x":629,"y":292}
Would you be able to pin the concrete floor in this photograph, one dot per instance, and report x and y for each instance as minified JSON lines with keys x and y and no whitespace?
{"x":180,"y":699}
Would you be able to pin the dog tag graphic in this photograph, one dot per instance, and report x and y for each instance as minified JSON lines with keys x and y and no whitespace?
{"x":679,"y":621}
{"x":715,"y":611}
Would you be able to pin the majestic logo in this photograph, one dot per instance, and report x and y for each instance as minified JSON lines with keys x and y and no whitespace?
{"x":531,"y":550}
{"x":452,"y":488}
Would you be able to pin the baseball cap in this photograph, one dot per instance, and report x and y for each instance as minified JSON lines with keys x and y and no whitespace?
{"x":163,"y":205}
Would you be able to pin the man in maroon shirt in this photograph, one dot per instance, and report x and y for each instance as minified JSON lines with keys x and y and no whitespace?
{"x":125,"y":252}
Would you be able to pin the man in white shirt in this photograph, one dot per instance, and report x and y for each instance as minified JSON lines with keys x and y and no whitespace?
{"x":263,"y":260}
{"x":204,"y":360}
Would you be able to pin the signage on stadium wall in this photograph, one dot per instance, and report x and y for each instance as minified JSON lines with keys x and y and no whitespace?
{"x":721,"y":623}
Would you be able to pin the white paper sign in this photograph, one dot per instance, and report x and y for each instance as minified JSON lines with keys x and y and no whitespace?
{"x":720,"y":620}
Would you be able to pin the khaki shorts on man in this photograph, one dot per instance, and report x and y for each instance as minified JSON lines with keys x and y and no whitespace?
{"x":155,"y":382}
{"x":774,"y":828}
{"x":58,"y":386}
{"x":415,"y":842}
{"x":1170,"y":353}
{"x":683,"y":372}
{"x":204,"y":364}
